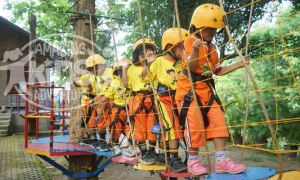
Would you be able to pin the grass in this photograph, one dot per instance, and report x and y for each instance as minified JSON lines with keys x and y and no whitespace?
{"x":43,"y":169}
{"x":253,"y":158}
{"x":273,"y":158}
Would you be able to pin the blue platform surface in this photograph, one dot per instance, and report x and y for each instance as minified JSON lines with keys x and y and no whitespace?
{"x":61,"y":143}
{"x":56,"y":139}
{"x":252,"y":173}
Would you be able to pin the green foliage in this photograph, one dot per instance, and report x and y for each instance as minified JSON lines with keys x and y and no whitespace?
{"x":158,"y":16}
{"x":53,"y":17}
{"x":50,"y":19}
{"x":276,"y":73}
{"x":281,"y":143}
{"x":50,"y":14}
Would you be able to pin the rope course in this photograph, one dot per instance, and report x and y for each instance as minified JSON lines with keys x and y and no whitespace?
{"x":239,"y":103}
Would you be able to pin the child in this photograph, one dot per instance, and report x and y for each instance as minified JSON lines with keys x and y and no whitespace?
{"x":165,"y":70}
{"x":203,"y":62}
{"x":118,"y":114}
{"x":141,"y":103}
{"x":103,"y":103}
{"x":95,"y":64}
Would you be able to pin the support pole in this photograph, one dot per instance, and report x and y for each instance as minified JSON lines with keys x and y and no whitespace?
{"x":82,"y":30}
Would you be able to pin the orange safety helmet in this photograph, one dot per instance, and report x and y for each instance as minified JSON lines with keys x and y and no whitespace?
{"x":171,"y":36}
{"x":207,"y":15}
{"x":147,"y":42}
{"x":94,"y":60}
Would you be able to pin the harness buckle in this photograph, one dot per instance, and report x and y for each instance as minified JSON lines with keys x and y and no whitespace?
{"x":156,"y":129}
{"x":197,"y":78}
{"x":188,"y":97}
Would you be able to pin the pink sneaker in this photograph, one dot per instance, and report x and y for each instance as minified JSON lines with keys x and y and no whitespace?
{"x":195,"y":168}
{"x":229,"y":166}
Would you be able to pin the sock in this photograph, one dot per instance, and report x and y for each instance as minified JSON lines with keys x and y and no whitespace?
{"x":173,"y":153}
{"x":129,"y":142}
{"x":193,"y":156}
{"x":220,"y":155}
{"x":102,"y":136}
{"x":142,"y":146}
{"x":152,"y":145}
{"x":162,"y":148}
{"x":93,"y":136}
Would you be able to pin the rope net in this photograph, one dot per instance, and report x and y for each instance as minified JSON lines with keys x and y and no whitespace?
{"x":275,"y":66}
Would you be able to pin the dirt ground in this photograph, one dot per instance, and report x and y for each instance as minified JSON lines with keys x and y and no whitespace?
{"x":252,"y":158}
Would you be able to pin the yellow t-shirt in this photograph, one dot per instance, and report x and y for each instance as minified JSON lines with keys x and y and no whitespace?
{"x":84,"y":82}
{"x":135,"y":80}
{"x":116,"y":92}
{"x":104,"y":82}
{"x":164,"y":72}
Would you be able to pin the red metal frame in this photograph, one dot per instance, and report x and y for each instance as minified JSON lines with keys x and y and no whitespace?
{"x":38,"y":86}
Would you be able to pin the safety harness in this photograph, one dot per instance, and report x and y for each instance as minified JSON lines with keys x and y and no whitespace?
{"x":88,"y":109}
{"x":189,"y":97}
{"x":143,"y":106}
{"x":163,"y":90}
{"x":117,"y":118}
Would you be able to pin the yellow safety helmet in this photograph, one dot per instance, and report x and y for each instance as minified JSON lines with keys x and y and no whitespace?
{"x":94,"y":60}
{"x":207,"y":15}
{"x":117,"y":65}
{"x":147,"y":42}
{"x":171,"y":36}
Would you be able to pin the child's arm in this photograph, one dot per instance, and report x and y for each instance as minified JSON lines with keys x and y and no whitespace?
{"x":76,"y":82}
{"x":101,"y":101}
{"x":232,"y":67}
{"x":193,"y":59}
{"x":124,"y":78}
{"x":150,"y":59}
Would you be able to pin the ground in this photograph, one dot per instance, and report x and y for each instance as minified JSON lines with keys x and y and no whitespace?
{"x":16,"y":164}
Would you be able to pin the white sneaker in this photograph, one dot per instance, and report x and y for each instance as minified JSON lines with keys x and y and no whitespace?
{"x":117,"y":150}
{"x":131,"y":151}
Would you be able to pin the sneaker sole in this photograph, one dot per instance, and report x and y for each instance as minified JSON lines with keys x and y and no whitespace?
{"x":104,"y":150}
{"x":230,"y":172}
{"x":178,"y":170}
{"x":198,"y":174}
{"x":129,"y":155}
{"x":146,"y":163}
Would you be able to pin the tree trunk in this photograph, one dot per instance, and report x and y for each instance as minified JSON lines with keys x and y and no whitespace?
{"x":82,"y":47}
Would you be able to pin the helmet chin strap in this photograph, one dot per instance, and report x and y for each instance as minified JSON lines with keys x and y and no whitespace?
{"x":174,"y":57}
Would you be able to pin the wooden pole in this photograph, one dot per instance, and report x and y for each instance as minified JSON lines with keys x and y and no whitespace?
{"x":83,"y":28}
{"x":199,"y":114}
{"x":247,"y":81}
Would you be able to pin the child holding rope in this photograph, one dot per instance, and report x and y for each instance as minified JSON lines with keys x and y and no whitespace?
{"x":165,"y":70}
{"x":203,"y":62}
{"x":102,"y":105}
{"x":142,"y":108}
{"x":95,"y":64}
{"x":117,"y":115}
